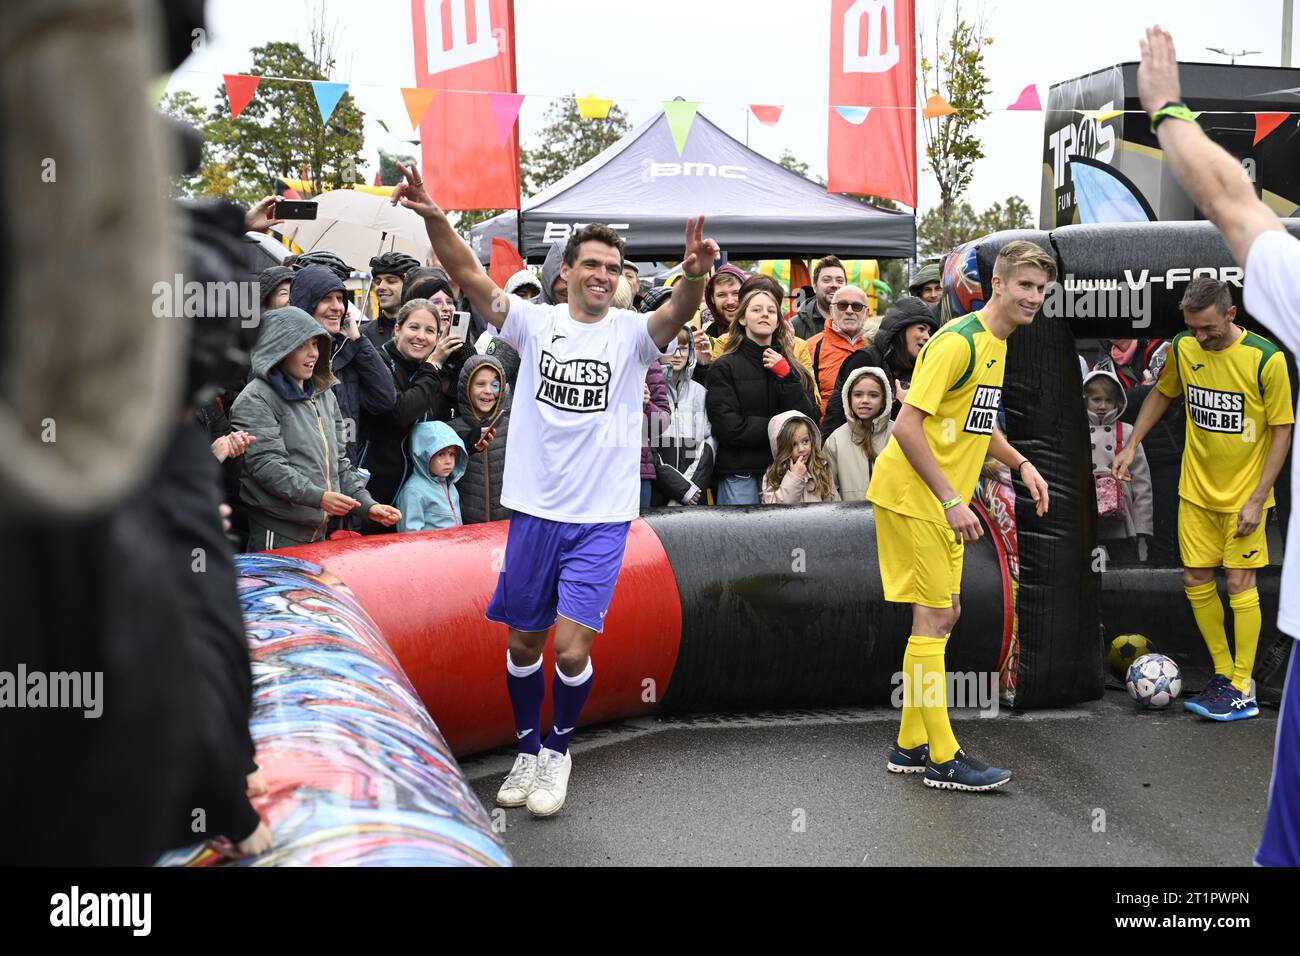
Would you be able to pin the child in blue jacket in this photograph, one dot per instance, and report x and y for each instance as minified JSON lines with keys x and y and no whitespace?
{"x":428,"y":499}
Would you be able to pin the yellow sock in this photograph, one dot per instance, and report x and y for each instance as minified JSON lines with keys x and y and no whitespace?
{"x":911,"y":732}
{"x":924,"y":656}
{"x":1208,"y":611}
{"x":1246,"y":619}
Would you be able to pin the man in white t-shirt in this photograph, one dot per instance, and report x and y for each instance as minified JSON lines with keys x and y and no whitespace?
{"x":573,"y":468}
{"x":1214,"y":181}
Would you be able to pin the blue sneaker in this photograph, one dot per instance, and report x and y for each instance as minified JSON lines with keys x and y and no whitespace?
{"x":1232,"y":704}
{"x":903,"y":760}
{"x":965,"y":773}
{"x":1200,"y":703}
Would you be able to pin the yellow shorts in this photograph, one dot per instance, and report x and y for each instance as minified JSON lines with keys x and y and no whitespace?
{"x":1208,"y":539}
{"x":920,"y":561}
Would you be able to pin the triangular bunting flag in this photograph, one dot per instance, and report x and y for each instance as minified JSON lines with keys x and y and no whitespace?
{"x":937,"y":106}
{"x":158,"y":89}
{"x":1028,"y":99}
{"x":853,"y":114}
{"x":592,"y":106}
{"x":1265,"y":123}
{"x":417,"y":103}
{"x":767,"y":115}
{"x":681,"y":116}
{"x":327,"y":97}
{"x":240,"y":90}
{"x":503,"y":261}
{"x":505,"y":110}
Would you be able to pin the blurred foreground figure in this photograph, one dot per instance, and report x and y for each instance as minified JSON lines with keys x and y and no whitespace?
{"x":124,"y":676}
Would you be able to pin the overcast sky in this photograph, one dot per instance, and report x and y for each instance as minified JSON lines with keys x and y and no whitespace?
{"x":729,"y":53}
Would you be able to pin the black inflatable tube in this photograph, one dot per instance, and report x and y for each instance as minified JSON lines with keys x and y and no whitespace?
{"x":785,"y":608}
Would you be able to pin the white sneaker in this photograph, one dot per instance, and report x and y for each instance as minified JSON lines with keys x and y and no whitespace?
{"x":552,"y":783}
{"x":519,"y":782}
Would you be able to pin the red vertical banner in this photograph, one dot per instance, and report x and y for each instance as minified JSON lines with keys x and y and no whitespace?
{"x":464,"y":45}
{"x":873,"y":65}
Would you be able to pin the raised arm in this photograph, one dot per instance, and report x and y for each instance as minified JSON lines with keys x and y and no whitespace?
{"x":1212,"y":179}
{"x":667,"y":320}
{"x":452,"y":251}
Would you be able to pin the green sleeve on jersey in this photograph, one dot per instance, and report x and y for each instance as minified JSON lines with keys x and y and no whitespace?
{"x":943,"y":360}
{"x":1170,"y":384}
{"x":1275,"y":389}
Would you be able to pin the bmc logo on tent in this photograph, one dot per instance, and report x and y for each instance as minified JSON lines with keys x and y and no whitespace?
{"x":655,"y":170}
{"x":560,"y":231}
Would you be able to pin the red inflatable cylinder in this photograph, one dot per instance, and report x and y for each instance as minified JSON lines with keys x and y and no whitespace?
{"x":427,"y":592}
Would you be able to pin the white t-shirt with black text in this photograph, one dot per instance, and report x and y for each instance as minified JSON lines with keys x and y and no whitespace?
{"x":1272,"y":295}
{"x":574,"y":452}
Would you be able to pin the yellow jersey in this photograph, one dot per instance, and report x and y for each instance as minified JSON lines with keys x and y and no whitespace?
{"x":1233,"y":397}
{"x":958,"y":384}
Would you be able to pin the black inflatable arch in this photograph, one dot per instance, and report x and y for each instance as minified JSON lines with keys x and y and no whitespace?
{"x":1060,"y":592}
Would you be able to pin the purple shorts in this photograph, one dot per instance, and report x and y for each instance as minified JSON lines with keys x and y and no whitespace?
{"x":556,"y":567}
{"x":1280,"y":845}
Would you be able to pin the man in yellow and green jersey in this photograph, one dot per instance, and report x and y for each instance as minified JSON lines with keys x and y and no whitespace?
{"x":1239,"y":420}
{"x":921,"y":488}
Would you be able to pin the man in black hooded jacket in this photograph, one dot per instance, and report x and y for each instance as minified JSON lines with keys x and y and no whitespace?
{"x":906,"y":327}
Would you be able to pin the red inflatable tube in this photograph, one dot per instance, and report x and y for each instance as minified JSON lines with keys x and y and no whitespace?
{"x":419,"y":586}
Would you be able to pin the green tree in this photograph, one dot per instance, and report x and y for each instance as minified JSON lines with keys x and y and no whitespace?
{"x":965,"y":224}
{"x":568,"y":141}
{"x":388,"y":174}
{"x":280,"y":132}
{"x":185,"y":107}
{"x":953,"y":69}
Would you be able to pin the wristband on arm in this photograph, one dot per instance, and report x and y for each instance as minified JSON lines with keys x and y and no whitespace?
{"x":781,"y":369}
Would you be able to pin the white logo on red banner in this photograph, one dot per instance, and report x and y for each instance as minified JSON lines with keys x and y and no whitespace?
{"x":460,"y":51}
{"x":879,"y":17}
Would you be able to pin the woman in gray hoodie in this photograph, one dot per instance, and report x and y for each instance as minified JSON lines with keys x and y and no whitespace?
{"x":297,"y":473}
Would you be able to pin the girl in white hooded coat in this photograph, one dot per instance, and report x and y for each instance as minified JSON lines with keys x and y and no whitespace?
{"x":855,"y":445}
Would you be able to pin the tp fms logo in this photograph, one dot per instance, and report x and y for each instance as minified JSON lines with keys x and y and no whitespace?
{"x":1089,"y":137}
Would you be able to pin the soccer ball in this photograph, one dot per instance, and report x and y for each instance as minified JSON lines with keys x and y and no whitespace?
{"x":1124,"y":650}
{"x":1154,"y":681}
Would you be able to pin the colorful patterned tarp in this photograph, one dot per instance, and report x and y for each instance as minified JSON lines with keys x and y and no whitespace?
{"x":359,"y":774}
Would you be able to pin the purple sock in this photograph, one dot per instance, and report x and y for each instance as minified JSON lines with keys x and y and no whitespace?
{"x":527,"y":687}
{"x":568,"y":694}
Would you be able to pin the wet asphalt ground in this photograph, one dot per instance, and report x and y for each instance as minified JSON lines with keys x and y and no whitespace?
{"x":1096,"y":784}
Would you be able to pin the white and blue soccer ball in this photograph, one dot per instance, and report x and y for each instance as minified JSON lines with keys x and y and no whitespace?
{"x":1154,"y":681}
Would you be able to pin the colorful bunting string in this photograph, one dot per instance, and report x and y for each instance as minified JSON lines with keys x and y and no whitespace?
{"x":853,"y":114}
{"x":1028,"y":99}
{"x":1265,"y":123}
{"x":593,"y":107}
{"x":327,"y":97}
{"x":767,"y":115}
{"x":681,"y":116}
{"x":505,"y":110}
{"x":240,"y":90}
{"x":937,"y":106}
{"x":418,"y":102}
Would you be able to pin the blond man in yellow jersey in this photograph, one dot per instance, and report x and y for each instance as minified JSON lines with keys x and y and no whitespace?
{"x":1239,"y":420}
{"x":920,"y":489}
